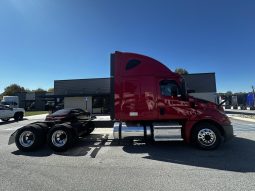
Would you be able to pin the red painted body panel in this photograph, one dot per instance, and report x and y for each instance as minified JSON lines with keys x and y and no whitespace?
{"x":136,"y":90}
{"x":137,"y":95}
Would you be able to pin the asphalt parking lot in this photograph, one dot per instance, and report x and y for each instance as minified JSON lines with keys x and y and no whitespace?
{"x":99,"y":163}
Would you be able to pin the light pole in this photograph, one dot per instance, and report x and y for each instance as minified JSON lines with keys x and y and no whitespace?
{"x":253,"y":95}
{"x":86,"y":100}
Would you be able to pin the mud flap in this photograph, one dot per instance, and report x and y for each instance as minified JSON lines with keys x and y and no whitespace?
{"x":12,"y":138}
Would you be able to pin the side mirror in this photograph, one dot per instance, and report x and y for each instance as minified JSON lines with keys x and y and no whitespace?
{"x":192,"y":102}
{"x":174,"y":91}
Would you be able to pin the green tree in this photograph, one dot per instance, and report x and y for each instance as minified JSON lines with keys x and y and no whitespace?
{"x":39,"y":90}
{"x":51,"y":90}
{"x":12,"y":89}
{"x":181,"y":71}
{"x":229,"y":93}
{"x":28,"y":90}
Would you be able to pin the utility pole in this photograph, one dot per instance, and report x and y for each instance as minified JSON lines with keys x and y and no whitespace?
{"x":253,"y":95}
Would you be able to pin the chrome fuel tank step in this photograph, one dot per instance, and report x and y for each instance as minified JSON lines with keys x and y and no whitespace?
{"x":170,"y":131}
{"x":123,"y":131}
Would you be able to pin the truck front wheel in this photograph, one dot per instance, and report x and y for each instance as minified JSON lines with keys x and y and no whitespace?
{"x":29,"y":138}
{"x":60,"y":138}
{"x":206,"y":136}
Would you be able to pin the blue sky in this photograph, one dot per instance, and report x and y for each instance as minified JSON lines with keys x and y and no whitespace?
{"x":45,"y":40}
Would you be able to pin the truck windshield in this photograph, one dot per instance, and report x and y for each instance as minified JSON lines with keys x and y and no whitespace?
{"x":5,"y":103}
{"x":62,"y":112}
{"x":8,"y":103}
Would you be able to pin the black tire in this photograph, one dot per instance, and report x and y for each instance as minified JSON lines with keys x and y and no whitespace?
{"x":6,"y":119}
{"x":206,"y":136}
{"x":34,"y":134}
{"x":60,"y":138}
{"x":18,"y":116}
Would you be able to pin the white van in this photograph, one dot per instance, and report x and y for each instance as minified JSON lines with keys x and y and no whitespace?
{"x":10,"y":101}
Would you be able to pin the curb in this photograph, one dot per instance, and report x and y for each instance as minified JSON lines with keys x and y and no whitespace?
{"x":240,"y":112}
{"x":35,"y":116}
{"x":241,"y":118}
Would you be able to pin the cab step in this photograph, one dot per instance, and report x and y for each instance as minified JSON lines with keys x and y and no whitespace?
{"x":170,"y":131}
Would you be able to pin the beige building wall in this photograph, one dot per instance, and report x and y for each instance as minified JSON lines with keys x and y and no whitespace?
{"x":78,"y":102}
{"x":209,"y":96}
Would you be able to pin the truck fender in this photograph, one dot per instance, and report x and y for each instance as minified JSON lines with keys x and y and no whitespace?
{"x":189,"y":125}
{"x":12,"y":137}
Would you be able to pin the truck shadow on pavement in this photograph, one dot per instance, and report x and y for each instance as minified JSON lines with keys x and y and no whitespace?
{"x":238,"y":155}
{"x":87,"y":146}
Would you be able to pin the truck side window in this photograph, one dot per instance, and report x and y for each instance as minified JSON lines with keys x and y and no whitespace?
{"x":169,"y":88}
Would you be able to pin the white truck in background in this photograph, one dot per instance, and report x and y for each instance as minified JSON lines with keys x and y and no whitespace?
{"x":6,"y":113}
{"x":10,"y":101}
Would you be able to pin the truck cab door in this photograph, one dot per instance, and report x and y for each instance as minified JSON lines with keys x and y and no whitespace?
{"x":1,"y":112}
{"x":5,"y":112}
{"x":170,"y":104}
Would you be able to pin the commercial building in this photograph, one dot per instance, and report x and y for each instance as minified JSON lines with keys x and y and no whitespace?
{"x":90,"y":94}
{"x":94,"y":94}
{"x":202,"y":85}
{"x":32,"y":100}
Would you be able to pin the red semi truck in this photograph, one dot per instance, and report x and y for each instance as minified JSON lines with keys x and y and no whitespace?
{"x":148,"y":101}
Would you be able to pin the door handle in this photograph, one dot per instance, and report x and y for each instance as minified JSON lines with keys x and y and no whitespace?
{"x":162,"y":111}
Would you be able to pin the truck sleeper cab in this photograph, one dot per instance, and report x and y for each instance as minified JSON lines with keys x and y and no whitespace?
{"x":150,"y":101}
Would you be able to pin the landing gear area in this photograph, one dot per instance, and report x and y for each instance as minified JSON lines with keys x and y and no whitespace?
{"x":59,"y":137}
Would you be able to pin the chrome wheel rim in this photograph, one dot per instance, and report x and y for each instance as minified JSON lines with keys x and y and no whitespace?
{"x":27,"y":139}
{"x":206,"y":137}
{"x":59,"y":138}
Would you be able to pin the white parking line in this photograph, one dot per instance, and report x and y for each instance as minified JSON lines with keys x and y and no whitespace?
{"x":11,"y":129}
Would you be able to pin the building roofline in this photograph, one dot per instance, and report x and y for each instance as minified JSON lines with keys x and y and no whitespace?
{"x":199,"y":73}
{"x":74,"y":95}
{"x":84,"y":79}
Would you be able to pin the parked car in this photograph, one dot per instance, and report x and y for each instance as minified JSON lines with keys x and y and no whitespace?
{"x":66,"y":115}
{"x":6,"y":113}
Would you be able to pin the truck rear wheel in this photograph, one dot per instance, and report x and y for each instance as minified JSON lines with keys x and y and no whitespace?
{"x":29,"y":138}
{"x":206,"y":136}
{"x":60,"y":138}
{"x":18,"y":116}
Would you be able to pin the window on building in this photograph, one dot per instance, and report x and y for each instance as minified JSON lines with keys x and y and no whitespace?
{"x":100,"y":105}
